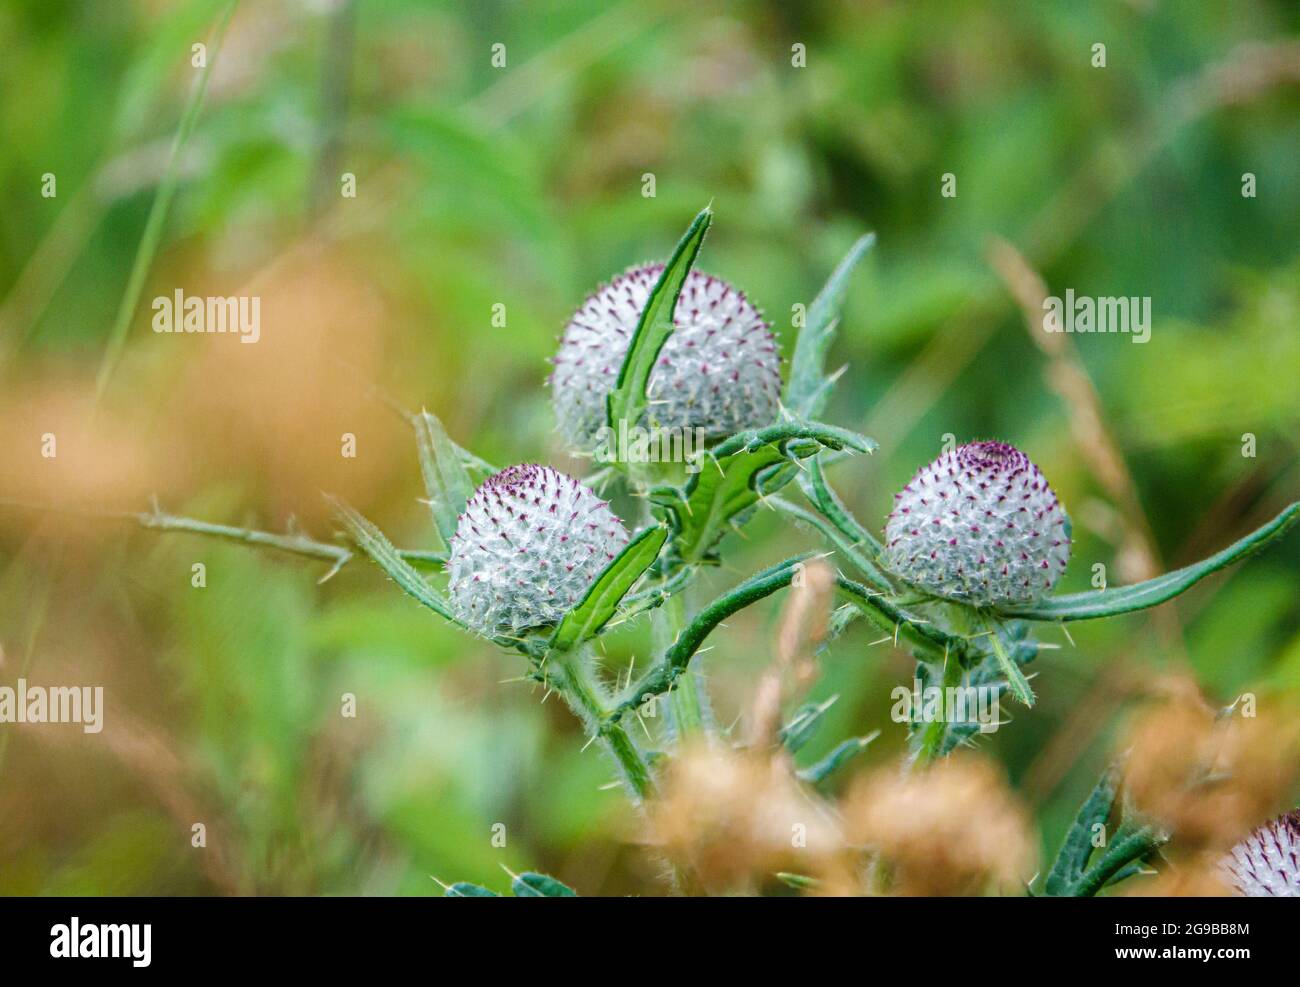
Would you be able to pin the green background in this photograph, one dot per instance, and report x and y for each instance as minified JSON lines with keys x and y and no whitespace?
{"x":523,"y":186}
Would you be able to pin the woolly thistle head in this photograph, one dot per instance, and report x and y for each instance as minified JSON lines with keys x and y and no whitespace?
{"x":1266,"y":864}
{"x":720,"y":370}
{"x":531,"y":542}
{"x":979,"y":525}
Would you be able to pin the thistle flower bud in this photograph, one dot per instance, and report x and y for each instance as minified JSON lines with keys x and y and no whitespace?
{"x":979,"y":525}
{"x":531,"y":542}
{"x":1266,"y":864}
{"x":720,"y":370}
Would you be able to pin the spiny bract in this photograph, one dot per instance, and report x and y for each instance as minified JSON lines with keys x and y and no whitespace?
{"x":979,"y":525}
{"x":720,"y":370}
{"x":1266,"y":864}
{"x":531,"y":542}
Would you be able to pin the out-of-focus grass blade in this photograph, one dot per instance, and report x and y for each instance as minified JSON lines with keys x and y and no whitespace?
{"x":627,"y":401}
{"x":153,"y":227}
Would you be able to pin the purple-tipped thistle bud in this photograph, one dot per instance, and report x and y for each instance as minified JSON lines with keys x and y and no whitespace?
{"x":720,"y":370}
{"x":1266,"y":864}
{"x":979,"y":525}
{"x":531,"y":542}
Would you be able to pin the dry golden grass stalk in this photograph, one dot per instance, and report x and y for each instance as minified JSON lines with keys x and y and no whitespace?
{"x":804,"y":624}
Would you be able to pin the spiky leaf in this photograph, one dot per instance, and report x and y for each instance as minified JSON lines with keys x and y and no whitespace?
{"x":801,"y":727}
{"x":1126,"y":599}
{"x":371,"y":540}
{"x":531,"y":885}
{"x":627,"y":401}
{"x":729,"y":482}
{"x":447,"y":484}
{"x":661,"y":676}
{"x":601,"y":602}
{"x":841,"y":755}
{"x":463,"y":889}
{"x":1077,"y":847}
{"x":809,"y":386}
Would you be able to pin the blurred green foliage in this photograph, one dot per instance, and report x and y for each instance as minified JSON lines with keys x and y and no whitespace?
{"x":523,"y":185}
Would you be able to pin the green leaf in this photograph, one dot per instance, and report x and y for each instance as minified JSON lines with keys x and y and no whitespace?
{"x":661,"y":676}
{"x":371,"y":540}
{"x":809,"y":387}
{"x":1127,"y":871}
{"x":926,"y":639}
{"x":1016,"y":680}
{"x":655,"y":594}
{"x":1077,"y":847}
{"x":586,"y":619}
{"x":1126,"y":599}
{"x":446,"y":480}
{"x":801,"y":727}
{"x":463,"y":889}
{"x":816,"y":489}
{"x":1132,"y":844}
{"x":532,"y":885}
{"x":628,"y":401}
{"x":730,"y":479}
{"x":842,"y":754}
{"x":800,"y":882}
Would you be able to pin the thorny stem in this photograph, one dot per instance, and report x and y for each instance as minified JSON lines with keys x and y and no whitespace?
{"x":293,"y":542}
{"x":684,"y":696}
{"x":586,"y":698}
{"x":686,"y":710}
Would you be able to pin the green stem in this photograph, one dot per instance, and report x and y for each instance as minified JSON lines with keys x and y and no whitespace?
{"x":684,"y":697}
{"x":664,"y":673}
{"x":934,"y":734}
{"x":688,"y":713}
{"x":636,"y":772}
{"x":586,"y":698}
{"x":686,"y":710}
{"x":293,"y":542}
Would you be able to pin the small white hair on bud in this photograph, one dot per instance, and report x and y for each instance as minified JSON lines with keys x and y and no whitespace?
{"x":979,"y":525}
{"x":720,"y":370}
{"x":531,"y":542}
